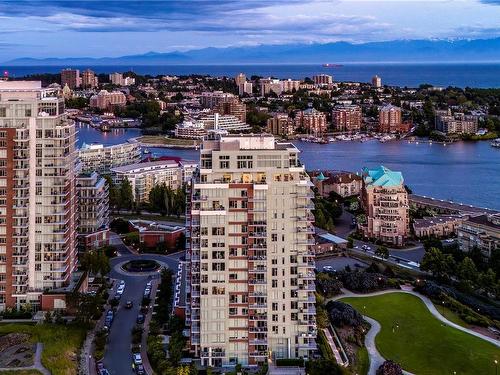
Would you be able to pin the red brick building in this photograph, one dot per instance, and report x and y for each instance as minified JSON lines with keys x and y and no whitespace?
{"x":151,"y":234}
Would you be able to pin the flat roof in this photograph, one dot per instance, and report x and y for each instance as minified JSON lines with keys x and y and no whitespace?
{"x":333,"y":238}
{"x":460,"y":207}
{"x":145,"y":165}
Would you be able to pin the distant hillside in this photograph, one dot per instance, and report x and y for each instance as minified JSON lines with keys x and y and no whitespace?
{"x":390,"y":51}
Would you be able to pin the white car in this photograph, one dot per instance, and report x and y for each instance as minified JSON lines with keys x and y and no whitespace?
{"x":136,"y":359}
{"x":120,"y":289}
{"x":328,"y":269}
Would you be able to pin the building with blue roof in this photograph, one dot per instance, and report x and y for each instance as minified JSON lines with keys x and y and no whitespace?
{"x":385,"y":201}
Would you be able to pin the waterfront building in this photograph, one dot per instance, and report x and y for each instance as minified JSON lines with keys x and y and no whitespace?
{"x":311,"y":121}
{"x":290,"y":85}
{"x":210,"y":99}
{"x":245,"y":88}
{"x":456,"y":123}
{"x":108,"y":100}
{"x":190,"y":129}
{"x":38,"y":201}
{"x":93,"y":211}
{"x":481,"y":232}
{"x":240,"y":79}
{"x":232,"y":107}
{"x":99,"y":158}
{"x":389,"y":120}
{"x":345,"y":184}
{"x":89,"y":79}
{"x":216,"y":121}
{"x":268,"y":84}
{"x":71,"y":77}
{"x":385,"y":201}
{"x":281,"y":124}
{"x":376,"y":81}
{"x":144,"y":176}
{"x":250,"y":265}
{"x":437,"y":226}
{"x":322,"y":79}
{"x":347,"y":118}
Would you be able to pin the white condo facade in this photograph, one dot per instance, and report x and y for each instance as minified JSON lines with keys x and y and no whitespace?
{"x":38,"y":202}
{"x":250,"y":290}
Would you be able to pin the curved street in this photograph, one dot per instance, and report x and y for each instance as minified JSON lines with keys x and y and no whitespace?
{"x":118,"y":355}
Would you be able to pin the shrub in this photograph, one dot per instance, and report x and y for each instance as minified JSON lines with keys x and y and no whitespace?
{"x":328,"y":285}
{"x":342,"y":314}
{"x":360,"y":281}
{"x":291,"y":362}
{"x":389,"y":368}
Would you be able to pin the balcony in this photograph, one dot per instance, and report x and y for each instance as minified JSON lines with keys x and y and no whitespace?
{"x":257,"y":281}
{"x":256,"y":317}
{"x":257,"y":329}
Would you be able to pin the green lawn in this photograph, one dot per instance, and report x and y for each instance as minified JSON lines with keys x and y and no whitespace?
{"x":422,"y":344}
{"x":60,"y":344}
{"x":362,"y":364}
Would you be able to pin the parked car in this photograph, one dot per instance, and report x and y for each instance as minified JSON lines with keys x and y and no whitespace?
{"x":104,"y":372}
{"x":129,"y":304}
{"x":136,"y":360}
{"x":139,"y":370}
{"x":328,"y":269}
{"x":140,"y":319}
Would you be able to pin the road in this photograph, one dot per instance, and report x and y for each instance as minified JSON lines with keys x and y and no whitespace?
{"x":117,"y":358}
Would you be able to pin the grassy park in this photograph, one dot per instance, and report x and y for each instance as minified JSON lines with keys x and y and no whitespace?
{"x":61,"y":344}
{"x":411,"y":336}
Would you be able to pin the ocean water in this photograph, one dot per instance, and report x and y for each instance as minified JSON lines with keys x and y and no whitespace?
{"x":466,"y":172}
{"x":482,"y":75}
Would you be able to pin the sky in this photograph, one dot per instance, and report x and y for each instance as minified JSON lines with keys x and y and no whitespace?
{"x":98,"y":28}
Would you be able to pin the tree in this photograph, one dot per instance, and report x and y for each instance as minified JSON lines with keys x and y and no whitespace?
{"x":439,"y":264}
{"x":126,"y":195}
{"x":467,"y":273}
{"x":487,"y":279}
{"x":382,"y":252}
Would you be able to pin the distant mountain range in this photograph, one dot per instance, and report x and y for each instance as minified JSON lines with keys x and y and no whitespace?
{"x":487,"y":50}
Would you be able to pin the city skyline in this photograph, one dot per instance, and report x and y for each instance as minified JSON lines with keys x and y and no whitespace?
{"x":71,"y":28}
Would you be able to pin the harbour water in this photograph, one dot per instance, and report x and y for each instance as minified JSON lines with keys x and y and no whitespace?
{"x":466,"y":172}
{"x":402,"y":74}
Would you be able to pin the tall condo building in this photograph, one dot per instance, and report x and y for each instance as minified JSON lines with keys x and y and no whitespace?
{"x":376,"y":81}
{"x":37,"y":196}
{"x":89,"y":79}
{"x":250,"y":267}
{"x":385,"y":200}
{"x":70,"y":77}
{"x":240,"y":78}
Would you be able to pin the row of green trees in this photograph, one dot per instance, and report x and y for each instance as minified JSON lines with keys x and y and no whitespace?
{"x":167,"y":201}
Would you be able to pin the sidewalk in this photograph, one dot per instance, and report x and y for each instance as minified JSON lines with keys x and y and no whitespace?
{"x":144,"y":342}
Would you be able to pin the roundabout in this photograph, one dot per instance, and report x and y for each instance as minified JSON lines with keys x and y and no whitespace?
{"x":141,"y":266}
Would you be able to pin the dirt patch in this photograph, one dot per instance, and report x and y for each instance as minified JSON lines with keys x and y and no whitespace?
{"x":16,"y":350}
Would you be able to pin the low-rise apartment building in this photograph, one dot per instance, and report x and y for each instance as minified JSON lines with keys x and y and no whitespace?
{"x":311,"y":121}
{"x":106,"y":100}
{"x":455,"y":123}
{"x":385,"y":201}
{"x":281,"y":124}
{"x":437,"y":226}
{"x":223,"y":122}
{"x":99,"y":158}
{"x":345,"y":184}
{"x":482,"y":232}
{"x":347,"y":118}
{"x":190,"y":129}
{"x":144,"y":176}
{"x":93,"y":212}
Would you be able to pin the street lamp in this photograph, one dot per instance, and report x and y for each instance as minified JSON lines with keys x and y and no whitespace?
{"x":443,"y":307}
{"x":496,"y":367}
